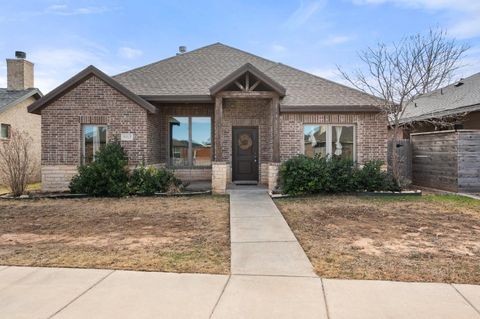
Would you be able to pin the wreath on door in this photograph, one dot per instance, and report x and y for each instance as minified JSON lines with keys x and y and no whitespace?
{"x":245,"y":142}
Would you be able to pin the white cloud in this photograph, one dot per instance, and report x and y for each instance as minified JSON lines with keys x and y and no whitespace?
{"x":328,"y":73}
{"x":54,"y":66}
{"x":337,"y":39}
{"x":278,"y":48}
{"x":464,"y":14}
{"x":304,"y":12}
{"x":129,"y":53}
{"x":65,"y":10}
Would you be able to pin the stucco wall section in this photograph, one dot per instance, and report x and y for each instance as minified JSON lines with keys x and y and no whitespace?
{"x":20,"y":120}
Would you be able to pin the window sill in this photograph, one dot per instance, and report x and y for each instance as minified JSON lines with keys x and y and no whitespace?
{"x":188,"y":167}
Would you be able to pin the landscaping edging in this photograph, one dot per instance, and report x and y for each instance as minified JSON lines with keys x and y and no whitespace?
{"x":68,"y":195}
{"x":380,"y":193}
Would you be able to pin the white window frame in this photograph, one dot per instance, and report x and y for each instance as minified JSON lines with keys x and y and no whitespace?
{"x":9,"y":131}
{"x":329,"y":135}
{"x":82,"y":160}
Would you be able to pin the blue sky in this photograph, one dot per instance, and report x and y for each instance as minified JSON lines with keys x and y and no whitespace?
{"x":62,"y":37}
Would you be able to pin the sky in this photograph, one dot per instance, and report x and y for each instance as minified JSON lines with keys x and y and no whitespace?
{"x":64,"y":36}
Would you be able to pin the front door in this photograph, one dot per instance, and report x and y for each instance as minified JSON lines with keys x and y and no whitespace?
{"x":245,"y":153}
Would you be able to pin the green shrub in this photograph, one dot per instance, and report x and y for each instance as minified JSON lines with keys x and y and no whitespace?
{"x":371,"y":177}
{"x":149,"y":180}
{"x":106,"y":176}
{"x":304,"y":175}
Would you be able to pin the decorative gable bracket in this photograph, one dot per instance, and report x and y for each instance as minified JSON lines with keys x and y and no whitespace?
{"x":247,"y":79}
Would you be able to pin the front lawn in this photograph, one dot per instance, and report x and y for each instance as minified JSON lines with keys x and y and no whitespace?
{"x":434,"y":238}
{"x":176,"y":234}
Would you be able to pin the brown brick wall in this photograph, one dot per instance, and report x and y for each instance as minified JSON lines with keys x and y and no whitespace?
{"x":91,"y":102}
{"x":247,"y":113}
{"x":371,"y":133}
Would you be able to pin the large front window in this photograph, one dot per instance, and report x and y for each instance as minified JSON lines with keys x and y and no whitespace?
{"x":94,"y":137}
{"x":190,"y":141}
{"x":327,"y":140}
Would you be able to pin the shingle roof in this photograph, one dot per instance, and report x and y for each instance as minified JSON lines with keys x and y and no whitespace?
{"x":449,"y":100}
{"x":7,"y":97}
{"x":194,"y":72}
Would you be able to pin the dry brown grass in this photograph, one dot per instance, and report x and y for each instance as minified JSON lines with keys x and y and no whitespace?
{"x":143,"y":233}
{"x":434,"y":238}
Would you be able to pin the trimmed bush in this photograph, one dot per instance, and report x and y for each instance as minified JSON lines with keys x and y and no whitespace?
{"x":305,"y":175}
{"x":106,"y":176}
{"x":372,"y":178}
{"x":149,"y":180}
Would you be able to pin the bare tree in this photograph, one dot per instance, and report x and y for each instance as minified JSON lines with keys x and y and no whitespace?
{"x":399,"y":72}
{"x":16,"y":164}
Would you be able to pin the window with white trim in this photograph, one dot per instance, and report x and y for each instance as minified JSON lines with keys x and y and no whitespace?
{"x":326,"y":140}
{"x":94,"y":137}
{"x":4,"y":131}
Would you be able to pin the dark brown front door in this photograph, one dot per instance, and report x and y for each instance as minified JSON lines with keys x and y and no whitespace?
{"x":245,"y":152}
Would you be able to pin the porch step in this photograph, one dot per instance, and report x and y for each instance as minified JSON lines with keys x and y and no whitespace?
{"x":245,"y":182}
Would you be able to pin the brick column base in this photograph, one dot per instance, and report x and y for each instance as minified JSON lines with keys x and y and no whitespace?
{"x":220,"y":173}
{"x":273,"y":175}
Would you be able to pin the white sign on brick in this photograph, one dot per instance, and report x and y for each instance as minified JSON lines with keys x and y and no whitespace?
{"x":127,"y":137}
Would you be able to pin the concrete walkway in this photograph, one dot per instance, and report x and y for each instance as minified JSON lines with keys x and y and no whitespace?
{"x":271,"y":278}
{"x":261,"y":241}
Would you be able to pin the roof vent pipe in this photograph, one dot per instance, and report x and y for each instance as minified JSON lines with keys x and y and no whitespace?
{"x":182,"y":49}
{"x":20,"y":55}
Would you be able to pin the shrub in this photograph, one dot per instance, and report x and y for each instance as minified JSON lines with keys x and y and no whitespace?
{"x":106,"y":176}
{"x":371,"y":177}
{"x":304,"y":175}
{"x":16,"y":162}
{"x":147,"y":181}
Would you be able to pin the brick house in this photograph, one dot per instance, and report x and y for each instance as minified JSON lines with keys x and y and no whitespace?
{"x":14,"y":100}
{"x":216,"y":113}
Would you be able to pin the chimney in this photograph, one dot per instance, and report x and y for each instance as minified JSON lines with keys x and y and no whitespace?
{"x":19,"y":72}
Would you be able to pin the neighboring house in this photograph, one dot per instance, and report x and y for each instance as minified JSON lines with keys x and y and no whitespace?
{"x":443,"y":127}
{"x":14,"y":100}
{"x":456,"y":106}
{"x":216,"y":113}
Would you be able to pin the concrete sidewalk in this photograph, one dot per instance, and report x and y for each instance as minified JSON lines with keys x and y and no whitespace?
{"x":31,"y":293}
{"x":271,"y":278}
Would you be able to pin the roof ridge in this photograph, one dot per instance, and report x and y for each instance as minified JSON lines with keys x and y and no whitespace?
{"x":168,"y":58}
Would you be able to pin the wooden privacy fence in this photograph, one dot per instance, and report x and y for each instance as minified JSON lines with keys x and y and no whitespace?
{"x":448,"y":160}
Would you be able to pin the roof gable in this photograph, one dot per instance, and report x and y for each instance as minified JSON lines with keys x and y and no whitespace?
{"x":11,"y":98}
{"x":248,"y":69}
{"x":37,"y":106}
